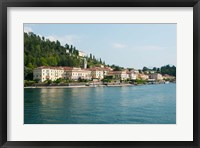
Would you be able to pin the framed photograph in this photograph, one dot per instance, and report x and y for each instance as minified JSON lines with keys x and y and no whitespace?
{"x":99,"y":73}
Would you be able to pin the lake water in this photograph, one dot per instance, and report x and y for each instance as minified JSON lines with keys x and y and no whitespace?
{"x":146,"y":104}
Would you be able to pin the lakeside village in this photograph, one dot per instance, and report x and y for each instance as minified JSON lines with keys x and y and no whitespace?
{"x":95,"y":76}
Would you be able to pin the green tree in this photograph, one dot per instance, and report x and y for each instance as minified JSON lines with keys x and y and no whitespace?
{"x":66,"y":46}
{"x":43,"y":61}
{"x":90,"y":56}
{"x":145,"y":69}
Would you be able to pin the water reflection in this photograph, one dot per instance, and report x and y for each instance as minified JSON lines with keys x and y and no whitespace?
{"x":101,"y":105}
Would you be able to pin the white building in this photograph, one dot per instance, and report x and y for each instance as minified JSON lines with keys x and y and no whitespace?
{"x":44,"y":73}
{"x":81,"y":53}
{"x":132,"y":75}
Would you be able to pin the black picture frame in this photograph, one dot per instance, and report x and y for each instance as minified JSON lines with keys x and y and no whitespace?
{"x":4,"y":4}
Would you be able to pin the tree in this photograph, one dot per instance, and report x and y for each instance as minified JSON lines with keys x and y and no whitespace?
{"x":154,"y":69}
{"x":66,"y":46}
{"x":28,"y":73}
{"x":49,"y":81}
{"x":145,"y":69}
{"x":90,"y":56}
{"x":71,"y":49}
{"x":158,"y":70}
{"x":57,"y":44}
{"x":43,"y":61}
{"x":170,"y":70}
{"x":58,"y":81}
{"x":100,"y":61}
{"x":30,"y":65}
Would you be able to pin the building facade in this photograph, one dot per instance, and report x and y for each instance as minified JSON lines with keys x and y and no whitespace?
{"x":155,"y":76}
{"x":44,"y":73}
{"x":120,"y":75}
{"x":132,"y":75}
{"x":142,"y":76}
{"x":77,"y":73}
{"x":97,"y":73}
{"x":48,"y":73}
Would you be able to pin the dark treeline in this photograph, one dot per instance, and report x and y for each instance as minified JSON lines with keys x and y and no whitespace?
{"x":167,"y":69}
{"x":170,"y":70}
{"x":39,"y":51}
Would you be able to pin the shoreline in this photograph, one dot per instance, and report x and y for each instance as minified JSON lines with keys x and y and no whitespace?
{"x":80,"y":86}
{"x":91,"y":86}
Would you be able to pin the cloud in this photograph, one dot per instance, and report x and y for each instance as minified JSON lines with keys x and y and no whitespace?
{"x":69,"y":39}
{"x":119,"y":45}
{"x":28,"y":29}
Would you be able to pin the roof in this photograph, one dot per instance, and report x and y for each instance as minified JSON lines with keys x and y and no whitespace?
{"x":50,"y":67}
{"x":73,"y":68}
{"x":98,"y":69}
{"x":67,"y":68}
{"x":116,"y":72}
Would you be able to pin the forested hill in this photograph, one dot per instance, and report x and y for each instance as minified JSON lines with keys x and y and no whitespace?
{"x":39,"y":51}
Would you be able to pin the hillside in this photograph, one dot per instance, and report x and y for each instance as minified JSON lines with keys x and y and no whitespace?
{"x":39,"y":51}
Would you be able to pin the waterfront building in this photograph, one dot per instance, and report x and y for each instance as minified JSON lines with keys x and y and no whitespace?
{"x":166,"y":76}
{"x":105,"y":71}
{"x":121,"y":75}
{"x":97,"y":73}
{"x":77,"y":73}
{"x":132,"y":75}
{"x":135,"y":71}
{"x":142,"y":76}
{"x":155,"y":76}
{"x":44,"y":73}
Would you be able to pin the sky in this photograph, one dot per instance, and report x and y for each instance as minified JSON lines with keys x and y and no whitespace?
{"x":126,"y":45}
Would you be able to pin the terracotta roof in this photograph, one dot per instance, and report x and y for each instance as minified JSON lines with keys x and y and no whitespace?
{"x":67,"y":68}
{"x":74,"y":68}
{"x":98,"y":69}
{"x":50,"y":67}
